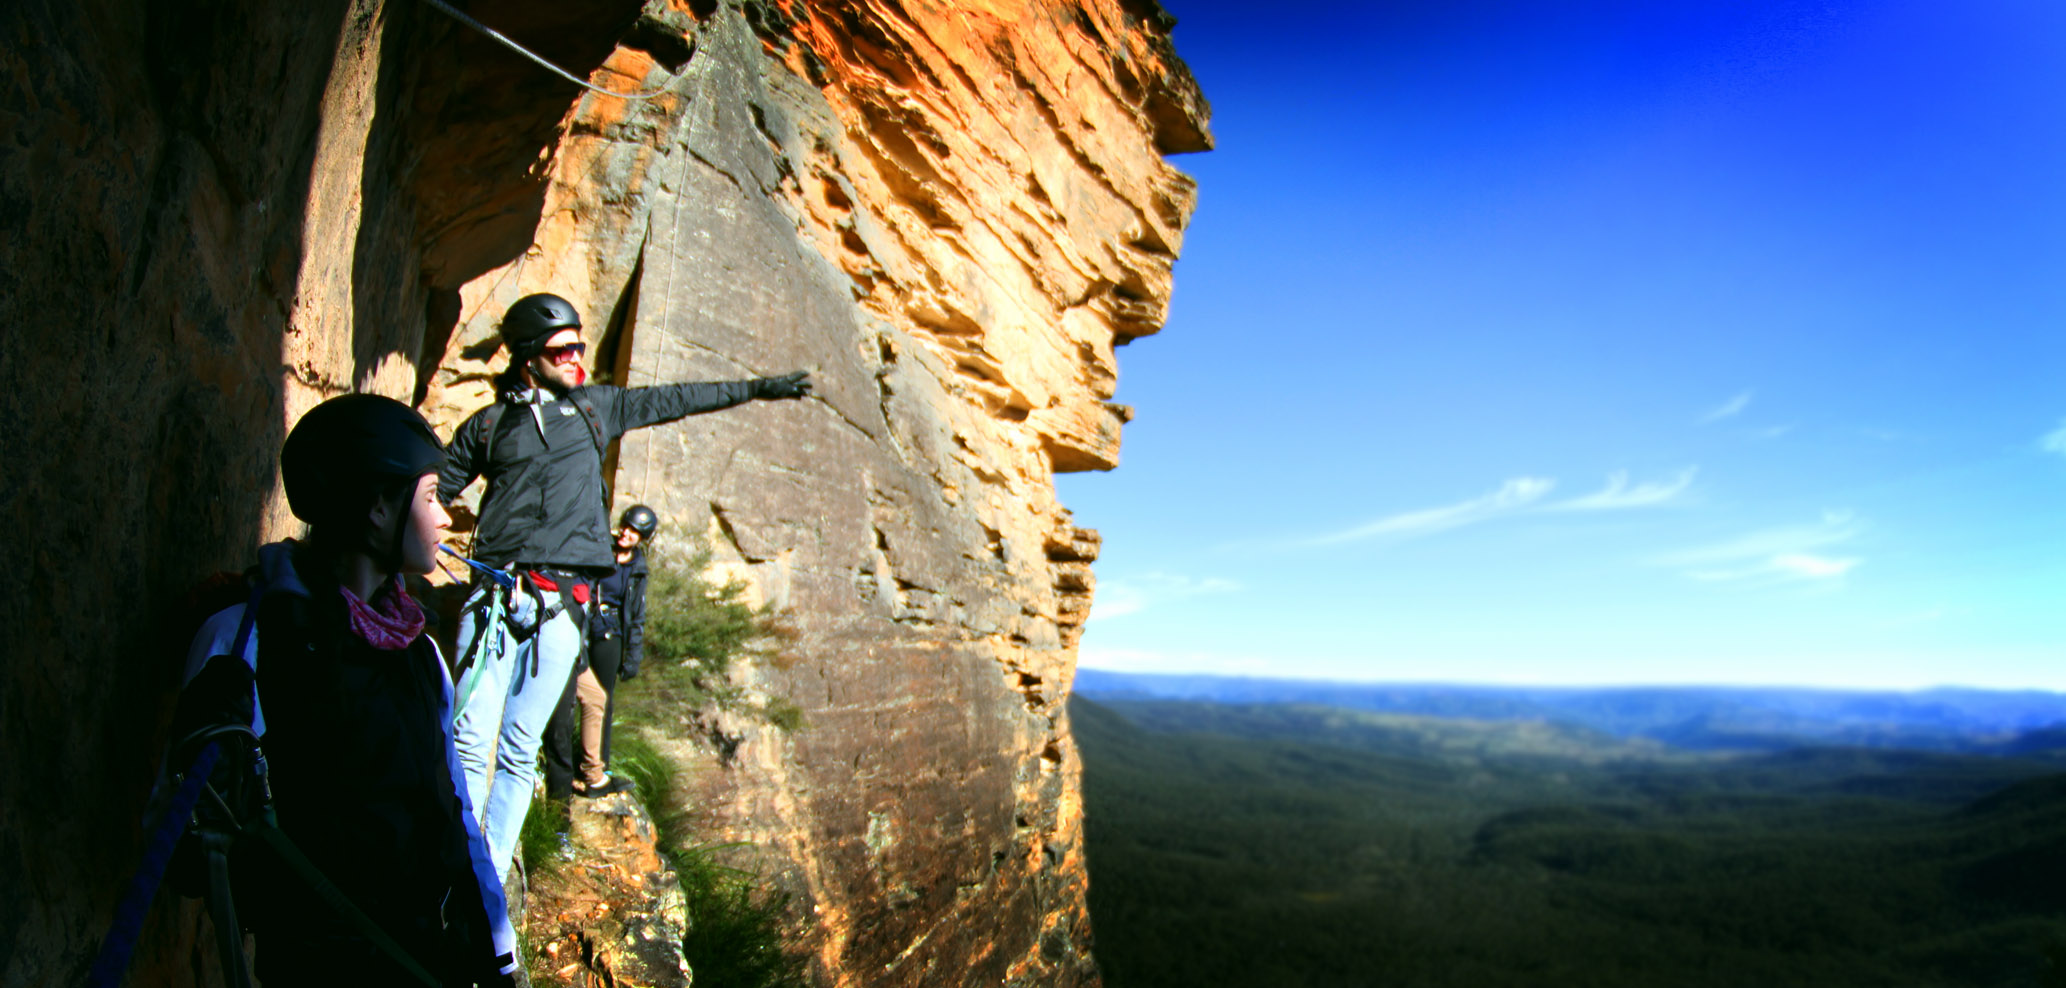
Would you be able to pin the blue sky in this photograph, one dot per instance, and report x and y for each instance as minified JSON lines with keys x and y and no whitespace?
{"x":1567,"y":342}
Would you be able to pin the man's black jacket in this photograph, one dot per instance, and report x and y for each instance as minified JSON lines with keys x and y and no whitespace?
{"x":545,"y":503}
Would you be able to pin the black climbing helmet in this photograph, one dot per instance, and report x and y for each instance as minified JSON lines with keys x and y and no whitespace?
{"x":351,"y":449}
{"x":533,"y":319}
{"x":642,"y":520}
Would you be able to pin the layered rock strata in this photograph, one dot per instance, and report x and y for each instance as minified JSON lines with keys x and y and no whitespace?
{"x":951,"y":214}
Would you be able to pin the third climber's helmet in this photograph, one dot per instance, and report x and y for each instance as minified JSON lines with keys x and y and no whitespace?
{"x":642,"y":520}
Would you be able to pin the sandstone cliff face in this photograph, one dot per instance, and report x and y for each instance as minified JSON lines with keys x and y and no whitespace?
{"x":951,"y":214}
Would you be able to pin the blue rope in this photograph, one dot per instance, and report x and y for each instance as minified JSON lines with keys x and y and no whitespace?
{"x":120,"y":944}
{"x":115,"y":951}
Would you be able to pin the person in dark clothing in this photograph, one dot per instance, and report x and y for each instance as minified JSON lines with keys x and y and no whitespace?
{"x":545,"y":516}
{"x":616,"y":642}
{"x":352,"y":706}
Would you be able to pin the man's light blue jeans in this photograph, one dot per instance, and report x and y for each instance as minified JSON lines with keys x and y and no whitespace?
{"x":510,"y":693}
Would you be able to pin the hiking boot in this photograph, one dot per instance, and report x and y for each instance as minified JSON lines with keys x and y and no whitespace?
{"x":613,"y":784}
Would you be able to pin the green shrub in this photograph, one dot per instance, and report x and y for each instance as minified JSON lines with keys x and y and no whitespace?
{"x":544,"y":836}
{"x":633,"y":756}
{"x":738,"y":931}
{"x":696,"y":633}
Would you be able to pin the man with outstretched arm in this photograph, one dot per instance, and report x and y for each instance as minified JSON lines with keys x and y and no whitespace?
{"x":546,"y":516}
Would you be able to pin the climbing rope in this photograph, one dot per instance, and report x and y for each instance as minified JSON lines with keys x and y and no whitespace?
{"x":683,"y":151}
{"x":462,"y":18}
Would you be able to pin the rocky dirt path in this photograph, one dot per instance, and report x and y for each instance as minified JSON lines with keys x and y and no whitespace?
{"x":609,"y":913}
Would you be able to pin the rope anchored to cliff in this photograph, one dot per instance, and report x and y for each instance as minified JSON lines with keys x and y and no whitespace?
{"x":457,"y":15}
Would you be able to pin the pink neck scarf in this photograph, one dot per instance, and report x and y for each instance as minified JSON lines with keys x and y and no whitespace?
{"x":392,"y":624}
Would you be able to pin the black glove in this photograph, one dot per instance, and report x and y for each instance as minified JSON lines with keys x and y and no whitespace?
{"x":627,"y":675}
{"x":793,"y":385}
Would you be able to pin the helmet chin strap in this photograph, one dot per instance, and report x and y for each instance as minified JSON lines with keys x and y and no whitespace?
{"x":388,"y":558}
{"x":550,"y":383}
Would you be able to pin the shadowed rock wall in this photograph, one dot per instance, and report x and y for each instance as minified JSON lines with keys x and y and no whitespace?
{"x":218,"y":214}
{"x":215,"y":215}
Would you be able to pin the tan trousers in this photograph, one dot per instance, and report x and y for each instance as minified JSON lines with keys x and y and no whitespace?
{"x":588,"y":692}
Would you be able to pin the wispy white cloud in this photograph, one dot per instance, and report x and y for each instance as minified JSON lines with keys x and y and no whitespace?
{"x":1121,"y":596}
{"x":2054,"y":441}
{"x":1835,"y":527}
{"x":1518,"y":496}
{"x":1809,"y":566}
{"x":1771,"y":431}
{"x":1728,"y":409}
{"x":1512,"y":496}
{"x":1620,"y":495}
{"x":1785,"y":554}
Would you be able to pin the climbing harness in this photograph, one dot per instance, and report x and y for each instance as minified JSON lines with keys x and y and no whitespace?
{"x":462,"y":18}
{"x":485,"y":650}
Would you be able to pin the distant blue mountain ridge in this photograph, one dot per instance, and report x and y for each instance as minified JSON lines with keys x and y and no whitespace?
{"x":1697,"y":718}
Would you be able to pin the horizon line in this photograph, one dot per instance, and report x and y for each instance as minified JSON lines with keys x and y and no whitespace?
{"x":1597,"y":686}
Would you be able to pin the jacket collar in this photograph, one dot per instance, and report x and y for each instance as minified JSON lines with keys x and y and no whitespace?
{"x":527,"y":395}
{"x":276,"y":569}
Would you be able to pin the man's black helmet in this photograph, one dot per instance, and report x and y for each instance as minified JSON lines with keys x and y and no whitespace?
{"x":351,"y":449}
{"x":533,"y":319}
{"x":642,"y":520}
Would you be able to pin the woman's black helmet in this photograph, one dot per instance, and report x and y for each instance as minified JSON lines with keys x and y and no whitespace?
{"x":642,"y":520}
{"x":352,"y":449}
{"x":533,"y":319}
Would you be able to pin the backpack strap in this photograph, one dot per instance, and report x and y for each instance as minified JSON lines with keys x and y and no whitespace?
{"x":602,"y":446}
{"x":594,"y":420}
{"x":490,"y":418}
{"x":250,"y":622}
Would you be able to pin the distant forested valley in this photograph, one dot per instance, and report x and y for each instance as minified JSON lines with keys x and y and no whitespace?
{"x":1244,"y":845}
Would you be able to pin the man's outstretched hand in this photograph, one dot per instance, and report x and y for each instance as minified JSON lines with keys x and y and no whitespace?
{"x":793,"y":385}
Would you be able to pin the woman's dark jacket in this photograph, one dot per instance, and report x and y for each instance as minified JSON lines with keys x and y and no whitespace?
{"x":625,"y":592}
{"x":361,"y":783}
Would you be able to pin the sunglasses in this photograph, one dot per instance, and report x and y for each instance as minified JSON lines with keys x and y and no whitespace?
{"x":562,"y":354}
